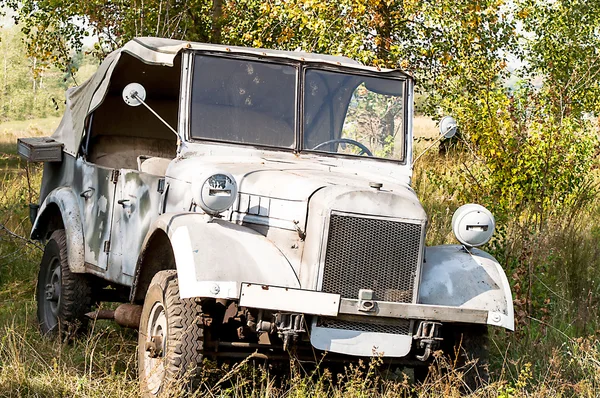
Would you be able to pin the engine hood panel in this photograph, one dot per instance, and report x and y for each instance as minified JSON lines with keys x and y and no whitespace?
{"x":291,"y":201}
{"x":287,"y":180}
{"x":400,"y":203}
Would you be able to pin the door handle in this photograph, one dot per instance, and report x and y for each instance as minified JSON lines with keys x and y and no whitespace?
{"x":122,"y":202}
{"x":87,"y":193}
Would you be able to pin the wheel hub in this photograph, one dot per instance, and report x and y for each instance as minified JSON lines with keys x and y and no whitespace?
{"x":155,"y":347}
{"x":52,"y":294}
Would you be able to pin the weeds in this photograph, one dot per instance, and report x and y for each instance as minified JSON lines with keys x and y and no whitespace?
{"x":554,"y":271}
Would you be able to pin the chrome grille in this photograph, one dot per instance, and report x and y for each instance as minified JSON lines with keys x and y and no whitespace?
{"x":368,"y":253}
{"x":399,"y":326}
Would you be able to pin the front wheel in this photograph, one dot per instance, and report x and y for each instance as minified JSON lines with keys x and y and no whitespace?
{"x":470,"y":352}
{"x":63,"y":298}
{"x":171,"y":337}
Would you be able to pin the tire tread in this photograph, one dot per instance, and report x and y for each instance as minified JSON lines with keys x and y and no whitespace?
{"x":185,"y":341}
{"x":76,"y":290}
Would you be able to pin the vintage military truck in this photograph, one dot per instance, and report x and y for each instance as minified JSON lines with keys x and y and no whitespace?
{"x":243,"y":200}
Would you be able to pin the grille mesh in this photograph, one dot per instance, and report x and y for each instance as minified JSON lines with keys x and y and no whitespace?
{"x":401,"y":326}
{"x":367,"y":253}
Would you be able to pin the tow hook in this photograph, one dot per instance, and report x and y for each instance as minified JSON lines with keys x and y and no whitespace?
{"x":428,"y":335}
{"x":289,"y":327}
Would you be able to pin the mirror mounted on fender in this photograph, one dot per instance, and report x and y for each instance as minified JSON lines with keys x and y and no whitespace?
{"x":448,"y":128}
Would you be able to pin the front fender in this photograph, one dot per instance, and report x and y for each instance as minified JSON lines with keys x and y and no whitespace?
{"x":473,"y":279}
{"x":213,"y":257}
{"x":66,"y":201}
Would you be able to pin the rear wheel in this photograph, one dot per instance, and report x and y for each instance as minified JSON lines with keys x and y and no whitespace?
{"x":63,"y":298}
{"x":171,"y":337}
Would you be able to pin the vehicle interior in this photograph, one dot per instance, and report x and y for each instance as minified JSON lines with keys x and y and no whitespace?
{"x":122,"y":136}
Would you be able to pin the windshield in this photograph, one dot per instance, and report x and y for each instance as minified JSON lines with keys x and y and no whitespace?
{"x":353,"y":115}
{"x":243,"y":101}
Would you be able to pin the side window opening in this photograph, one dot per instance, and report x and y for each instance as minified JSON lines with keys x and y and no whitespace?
{"x":120,"y":134}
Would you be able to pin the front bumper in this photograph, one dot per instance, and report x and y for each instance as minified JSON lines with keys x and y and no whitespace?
{"x":327,"y":304}
{"x":354,"y":342}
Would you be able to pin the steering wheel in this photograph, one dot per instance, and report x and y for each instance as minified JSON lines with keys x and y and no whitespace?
{"x":363,"y":149}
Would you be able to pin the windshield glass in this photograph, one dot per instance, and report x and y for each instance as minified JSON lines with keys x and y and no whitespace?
{"x":243,"y":101}
{"x":353,"y":115}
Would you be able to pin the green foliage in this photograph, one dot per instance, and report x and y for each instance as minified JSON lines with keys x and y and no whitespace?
{"x":23,"y":94}
{"x":53,"y":28}
{"x":529,"y":160}
{"x":29,"y":88}
{"x":564,"y":51}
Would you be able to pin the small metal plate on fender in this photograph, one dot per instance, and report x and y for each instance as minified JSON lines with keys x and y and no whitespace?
{"x":289,"y":300}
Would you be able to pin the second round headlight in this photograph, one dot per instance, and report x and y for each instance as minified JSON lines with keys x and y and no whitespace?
{"x":473,"y":225}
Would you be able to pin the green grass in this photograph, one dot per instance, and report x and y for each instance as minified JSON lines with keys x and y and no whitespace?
{"x":554,"y":352}
{"x":10,"y":131}
{"x":47,"y":125}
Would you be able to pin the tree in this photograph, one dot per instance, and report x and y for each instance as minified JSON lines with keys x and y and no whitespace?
{"x":54,"y":28}
{"x":563,"y":50}
{"x":27,"y":90}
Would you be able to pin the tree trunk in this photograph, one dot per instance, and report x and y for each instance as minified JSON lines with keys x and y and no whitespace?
{"x":217,"y":14}
{"x":383,"y":27}
{"x":34,"y":73}
{"x":5,"y":90}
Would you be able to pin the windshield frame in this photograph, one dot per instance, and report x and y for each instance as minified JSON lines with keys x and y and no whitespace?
{"x":185,"y":121}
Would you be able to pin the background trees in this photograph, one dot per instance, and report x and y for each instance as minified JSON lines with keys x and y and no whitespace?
{"x":26,"y":88}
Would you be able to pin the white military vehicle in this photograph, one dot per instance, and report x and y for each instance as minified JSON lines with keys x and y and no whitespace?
{"x":240,"y":200}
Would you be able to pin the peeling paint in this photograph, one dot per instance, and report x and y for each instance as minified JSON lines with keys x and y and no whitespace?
{"x":65,"y":199}
{"x":102,"y":204}
{"x":132,"y":218}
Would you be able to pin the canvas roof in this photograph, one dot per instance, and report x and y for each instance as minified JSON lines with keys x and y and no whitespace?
{"x":84,"y":99}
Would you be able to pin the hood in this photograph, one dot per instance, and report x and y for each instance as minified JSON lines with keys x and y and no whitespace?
{"x":286,"y":180}
{"x":277,"y":192}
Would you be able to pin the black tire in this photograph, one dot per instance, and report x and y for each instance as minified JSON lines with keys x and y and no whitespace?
{"x":175,"y":357}
{"x":420,"y":374}
{"x":470,"y":354}
{"x":63,"y":298}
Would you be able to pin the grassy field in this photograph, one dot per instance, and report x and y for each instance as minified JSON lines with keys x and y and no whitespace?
{"x":556,"y":355}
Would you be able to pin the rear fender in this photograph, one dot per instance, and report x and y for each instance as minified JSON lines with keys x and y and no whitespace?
{"x":470,"y":279}
{"x":213,"y":257}
{"x":64,"y":201}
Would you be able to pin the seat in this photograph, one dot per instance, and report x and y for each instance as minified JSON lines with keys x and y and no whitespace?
{"x":153,"y":165}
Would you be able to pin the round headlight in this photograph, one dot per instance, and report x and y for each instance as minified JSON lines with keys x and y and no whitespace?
{"x":215,"y":192}
{"x":473,"y":225}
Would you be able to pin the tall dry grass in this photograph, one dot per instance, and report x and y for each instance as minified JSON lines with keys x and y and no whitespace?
{"x":555,"y":351}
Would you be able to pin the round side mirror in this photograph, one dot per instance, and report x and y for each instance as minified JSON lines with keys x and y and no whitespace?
{"x":134,"y":94}
{"x":448,"y":127}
